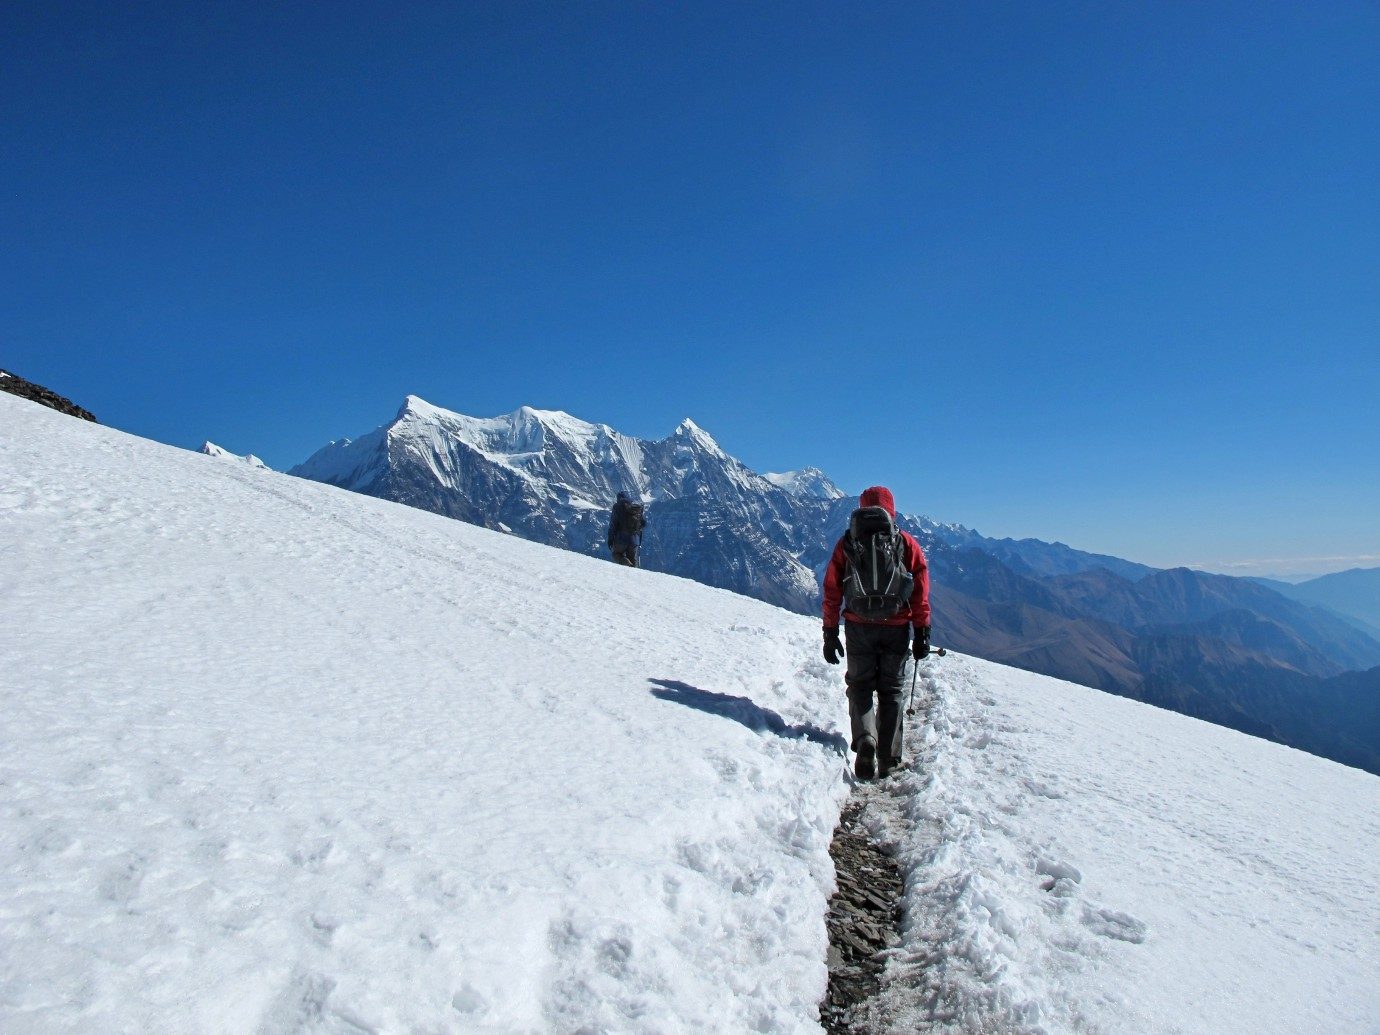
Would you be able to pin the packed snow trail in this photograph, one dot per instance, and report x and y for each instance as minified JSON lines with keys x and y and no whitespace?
{"x":280,"y":757}
{"x":1078,"y":862}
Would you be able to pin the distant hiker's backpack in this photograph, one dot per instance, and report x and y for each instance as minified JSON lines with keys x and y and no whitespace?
{"x":634,"y":518}
{"x":876,"y":582}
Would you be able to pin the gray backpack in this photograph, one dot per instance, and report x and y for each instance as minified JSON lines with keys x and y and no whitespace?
{"x":876,"y":583}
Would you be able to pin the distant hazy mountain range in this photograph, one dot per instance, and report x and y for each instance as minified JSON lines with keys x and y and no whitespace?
{"x":1230,"y":650}
{"x":1354,"y":594}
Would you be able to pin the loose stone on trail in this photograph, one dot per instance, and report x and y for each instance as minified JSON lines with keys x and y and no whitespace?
{"x":864,"y":920}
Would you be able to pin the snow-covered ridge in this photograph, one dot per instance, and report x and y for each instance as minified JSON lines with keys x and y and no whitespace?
{"x":518,"y":440}
{"x":523,"y":431}
{"x":211,"y":449}
{"x":551,"y":477}
{"x":810,"y":481}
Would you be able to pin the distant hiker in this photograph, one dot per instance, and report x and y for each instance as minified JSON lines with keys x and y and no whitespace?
{"x":626,"y":523}
{"x":880,"y":577}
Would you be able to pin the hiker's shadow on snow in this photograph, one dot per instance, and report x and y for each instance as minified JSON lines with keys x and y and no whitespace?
{"x":745,"y":711}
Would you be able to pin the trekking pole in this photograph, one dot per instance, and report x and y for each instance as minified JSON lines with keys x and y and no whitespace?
{"x":938,"y":652}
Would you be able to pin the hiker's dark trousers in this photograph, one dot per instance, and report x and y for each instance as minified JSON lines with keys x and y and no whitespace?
{"x":877,"y":656}
{"x":625,"y":554}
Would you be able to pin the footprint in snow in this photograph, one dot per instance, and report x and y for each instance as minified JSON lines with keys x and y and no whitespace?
{"x":468,"y":1000}
{"x":1043,"y":789}
{"x":300,"y":1004}
{"x":322,"y":928}
{"x":121,"y":881}
{"x":312,"y":856}
{"x":1111,"y":923}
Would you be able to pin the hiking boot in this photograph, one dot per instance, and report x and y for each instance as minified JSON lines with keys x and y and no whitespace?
{"x":887,"y":766}
{"x":865,"y":765}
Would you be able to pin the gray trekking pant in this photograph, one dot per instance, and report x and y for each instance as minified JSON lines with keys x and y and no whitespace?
{"x":877,"y":657}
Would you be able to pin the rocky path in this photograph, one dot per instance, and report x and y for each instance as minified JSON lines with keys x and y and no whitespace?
{"x":864,"y":918}
{"x":864,"y":921}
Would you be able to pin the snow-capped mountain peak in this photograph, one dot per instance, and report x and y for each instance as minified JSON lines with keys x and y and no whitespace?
{"x":809,"y":482}
{"x":211,"y":449}
{"x":532,"y":440}
{"x":552,"y":477}
{"x":688,"y":431}
{"x":417,"y":407}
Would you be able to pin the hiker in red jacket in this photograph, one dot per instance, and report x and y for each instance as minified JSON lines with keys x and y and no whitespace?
{"x":879,"y":575}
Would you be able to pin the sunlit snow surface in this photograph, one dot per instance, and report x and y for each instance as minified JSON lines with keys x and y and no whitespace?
{"x":277,"y":757}
{"x":1081,"y":862}
{"x":282,"y":757}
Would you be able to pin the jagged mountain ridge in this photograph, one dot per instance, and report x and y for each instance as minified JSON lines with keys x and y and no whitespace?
{"x":551,"y":477}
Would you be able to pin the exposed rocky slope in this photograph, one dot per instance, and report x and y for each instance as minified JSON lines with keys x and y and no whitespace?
{"x":16,"y":385}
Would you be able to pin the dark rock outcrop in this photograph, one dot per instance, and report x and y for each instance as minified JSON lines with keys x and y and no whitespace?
{"x":16,"y":385}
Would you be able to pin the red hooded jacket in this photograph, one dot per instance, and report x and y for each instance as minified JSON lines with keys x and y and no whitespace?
{"x":919,"y":611}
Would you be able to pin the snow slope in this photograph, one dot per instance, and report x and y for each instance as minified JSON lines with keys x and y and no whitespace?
{"x":279,"y":757}
{"x":1082,"y":862}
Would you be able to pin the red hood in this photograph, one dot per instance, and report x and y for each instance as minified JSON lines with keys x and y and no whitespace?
{"x":878,"y":496}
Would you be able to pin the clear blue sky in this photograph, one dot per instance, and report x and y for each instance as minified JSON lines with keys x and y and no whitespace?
{"x":1105,"y":273}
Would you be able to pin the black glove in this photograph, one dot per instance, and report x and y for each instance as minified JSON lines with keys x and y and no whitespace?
{"x":921,"y":647}
{"x":833,"y":646}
